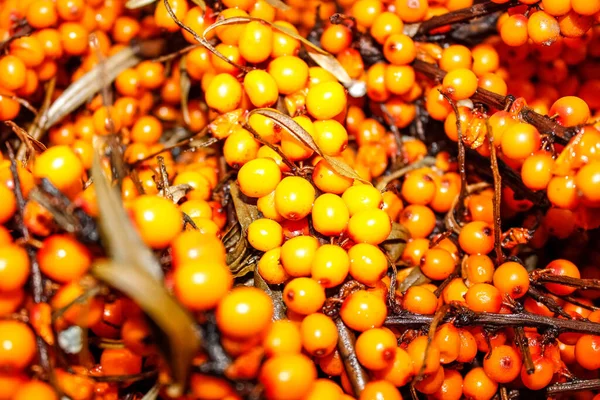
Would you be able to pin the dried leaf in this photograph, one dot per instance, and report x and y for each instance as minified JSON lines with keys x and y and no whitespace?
{"x":278,"y":4}
{"x":176,"y":192}
{"x":246,"y":213}
{"x":275,"y":295}
{"x":88,"y":85}
{"x":152,"y":394}
{"x":323,"y":58}
{"x":26,"y":137}
{"x":185,"y":83}
{"x":201,"y":4}
{"x":133,"y":4}
{"x":120,"y":238}
{"x":415,"y":278}
{"x":396,"y":241}
{"x":168,"y":318}
{"x":302,"y":135}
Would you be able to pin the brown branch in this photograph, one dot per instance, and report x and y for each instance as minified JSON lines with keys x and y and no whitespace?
{"x":543,"y":123}
{"x":523,"y":343}
{"x":356,"y":374}
{"x":462,"y":15}
{"x":542,"y":277}
{"x":464,"y":317}
{"x":548,"y":301}
{"x":573,"y":386}
{"x":497,"y":197}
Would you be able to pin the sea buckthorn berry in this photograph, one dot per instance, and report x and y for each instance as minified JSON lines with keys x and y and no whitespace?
{"x":13,"y":75}
{"x":514,"y":30}
{"x":485,"y":59}
{"x":419,"y":220}
{"x":326,"y":100}
{"x":455,"y":56}
{"x":330,"y":265}
{"x":290,"y":74}
{"x":120,"y":362}
{"x":556,"y":7}
{"x":292,"y":147}
{"x":460,"y":83}
{"x":330,"y":215}
{"x":9,"y":206}
{"x":244,"y":312}
{"x":261,"y":88}
{"x":319,"y":334}
{"x":380,"y":390}
{"x":480,"y":269}
{"x":448,"y":340}
{"x":562,"y":267}
{"x":384,"y":25}
{"x":431,"y":383}
{"x":74,"y":38}
{"x":478,"y":386}
{"x":368,"y":264}
{"x":158,"y":220}
{"x":370,"y":226}
{"x":106,"y":121}
{"x":436,"y":104}
{"x":411,"y":11}
{"x":468,"y":346}
{"x":570,"y":111}
{"x":363,"y":310}
{"x":451,"y":388}
{"x":287,"y":376}
{"x":265,"y":234}
{"x":376,"y":348}
{"x":336,"y":38}
{"x":399,"y":370}
{"x":29,"y":50}
{"x":297,"y":255}
{"x":362,"y":197}
{"x":162,"y":17}
{"x":542,"y":374}
{"x":61,"y":166}
{"x":425,"y":362}
{"x":41,"y":14}
{"x":493,"y":83}
{"x":392,"y":205}
{"x":240,"y":147}
{"x":562,"y":192}
{"x":483,"y":297}
{"x":437,"y":264}
{"x":420,"y":300}
{"x":399,"y":79}
{"x":586,"y":352}
{"x":543,"y":28}
{"x":512,"y":278}
{"x":366,"y":11}
{"x":304,"y":296}
{"x":536,"y":171}
{"x":63,"y":259}
{"x":256,"y":42}
{"x":294,"y":197}
{"x":224,"y":93}
{"x":324,"y":388}
{"x":329,"y":181}
{"x":283,"y":337}
{"x":503,"y":364}
{"x":399,"y":49}
{"x":331,"y":137}
{"x":35,"y":390}
{"x":476,"y":237}
{"x":18,"y":344}
{"x":201,"y":285}
{"x":270,"y":268}
{"x":259,"y":177}
{"x":585,"y":8}
{"x":230,"y":34}
{"x":418,"y":188}
{"x":588,"y":181}
{"x":147,"y":129}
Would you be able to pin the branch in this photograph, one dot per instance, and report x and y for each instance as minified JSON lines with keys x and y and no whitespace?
{"x":543,"y":123}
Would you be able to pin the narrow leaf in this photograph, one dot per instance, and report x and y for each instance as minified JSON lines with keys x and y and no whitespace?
{"x":118,"y":234}
{"x":415,"y":278}
{"x":152,"y":394}
{"x":173,"y":322}
{"x":185,"y":83}
{"x":201,"y":4}
{"x":246,"y":213}
{"x":88,"y":85}
{"x":175,"y":193}
{"x":278,"y":4}
{"x":133,"y":4}
{"x":395,"y":243}
{"x":303,"y":136}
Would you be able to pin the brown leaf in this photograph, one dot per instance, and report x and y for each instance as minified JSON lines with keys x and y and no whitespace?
{"x":303,"y":136}
{"x":246,"y":212}
{"x":88,"y":85}
{"x":186,"y":84}
{"x":275,"y":295}
{"x":415,"y":278}
{"x":395,"y":243}
{"x":176,"y":192}
{"x":278,"y":4}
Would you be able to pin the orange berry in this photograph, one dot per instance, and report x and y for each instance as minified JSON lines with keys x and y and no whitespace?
{"x":244,"y":312}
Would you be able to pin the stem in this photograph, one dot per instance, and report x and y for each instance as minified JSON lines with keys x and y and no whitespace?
{"x":523,"y":344}
{"x":548,"y":301}
{"x":543,"y":123}
{"x":497,"y":199}
{"x":356,"y":374}
{"x":566,"y":280}
{"x":462,"y":15}
{"x":468,"y":318}
{"x":573,"y":386}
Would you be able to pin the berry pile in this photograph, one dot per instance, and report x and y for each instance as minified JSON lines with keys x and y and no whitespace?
{"x":360,"y":199}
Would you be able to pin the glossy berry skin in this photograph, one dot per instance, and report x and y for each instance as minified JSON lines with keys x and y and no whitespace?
{"x":319,"y":334}
{"x":201,"y":285}
{"x":380,"y":390}
{"x":63,"y":259}
{"x":330,"y":265}
{"x":158,"y":220}
{"x":35,"y":390}
{"x":265,"y":234}
{"x":294,"y":197}
{"x":330,"y":215}
{"x":512,"y":278}
{"x":288,"y":376}
{"x":375,"y":348}
{"x":244,"y":312}
{"x":304,"y":296}
{"x":370,"y":226}
{"x":14,"y":267}
{"x":503,"y":364}
{"x":18,"y":344}
{"x":363,"y":310}
{"x":326,"y":100}
{"x":61,"y":166}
